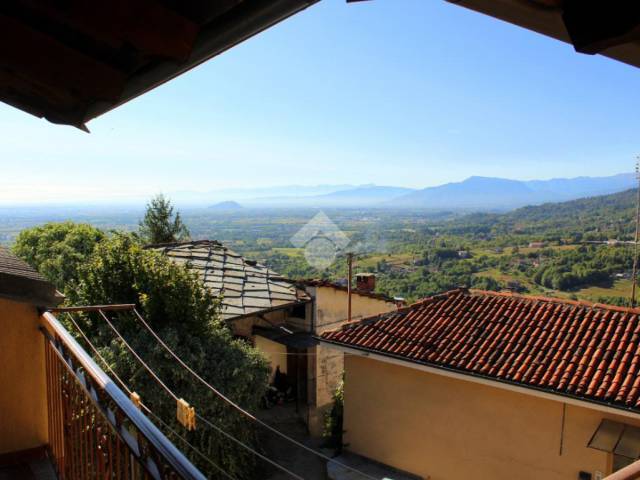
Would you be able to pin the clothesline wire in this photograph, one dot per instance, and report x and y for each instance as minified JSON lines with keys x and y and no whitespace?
{"x":204,"y":420}
{"x":145,"y":407}
{"x":242,"y":410}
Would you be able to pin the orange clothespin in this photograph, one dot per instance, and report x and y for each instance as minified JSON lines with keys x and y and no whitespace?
{"x":135,"y":399}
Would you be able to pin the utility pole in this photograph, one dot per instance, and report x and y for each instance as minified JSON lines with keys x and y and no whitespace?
{"x":349,"y":281}
{"x":635,"y":242}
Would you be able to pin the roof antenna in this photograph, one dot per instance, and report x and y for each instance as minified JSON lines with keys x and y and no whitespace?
{"x":635,"y":242}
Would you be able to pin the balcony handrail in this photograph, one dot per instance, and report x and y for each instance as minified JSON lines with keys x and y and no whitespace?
{"x":173,"y":457}
{"x":630,"y":472}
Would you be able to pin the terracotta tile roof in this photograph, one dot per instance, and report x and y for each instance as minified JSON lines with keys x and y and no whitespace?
{"x":578,"y":349}
{"x":247,"y":286}
{"x":354,"y":291}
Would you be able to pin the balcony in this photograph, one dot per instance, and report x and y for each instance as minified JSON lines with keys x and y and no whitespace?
{"x":95,"y":431}
{"x":61,"y":416}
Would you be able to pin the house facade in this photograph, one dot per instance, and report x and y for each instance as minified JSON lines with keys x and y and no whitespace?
{"x":281,"y":318}
{"x":494,"y":386}
{"x":330,"y":311}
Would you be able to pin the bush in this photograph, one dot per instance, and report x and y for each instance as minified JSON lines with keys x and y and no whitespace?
{"x":185,"y":315}
{"x":334,"y":420}
{"x":57,"y":250}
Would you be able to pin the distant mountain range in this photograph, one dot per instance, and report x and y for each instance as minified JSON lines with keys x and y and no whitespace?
{"x":360,"y":196}
{"x":227,"y":206}
{"x":473,"y":194}
{"x":487,"y":193}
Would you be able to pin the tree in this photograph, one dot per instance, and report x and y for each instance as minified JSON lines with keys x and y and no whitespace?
{"x":160,"y":225}
{"x":185,"y":315}
{"x":57,"y":250}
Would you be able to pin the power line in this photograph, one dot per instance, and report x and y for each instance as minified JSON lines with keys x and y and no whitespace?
{"x":242,"y":410}
{"x":206,"y":421}
{"x":145,"y":407}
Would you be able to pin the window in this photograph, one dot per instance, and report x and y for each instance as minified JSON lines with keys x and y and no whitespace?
{"x":622,"y":441}
{"x":619,"y":462}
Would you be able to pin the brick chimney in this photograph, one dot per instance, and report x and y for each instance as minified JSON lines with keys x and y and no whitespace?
{"x":365,"y":282}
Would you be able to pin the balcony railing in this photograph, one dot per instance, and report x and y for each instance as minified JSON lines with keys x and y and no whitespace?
{"x":95,"y":431}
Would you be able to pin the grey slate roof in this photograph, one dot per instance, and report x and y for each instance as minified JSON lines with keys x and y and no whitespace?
{"x":12,"y":265}
{"x":247,"y":287}
{"x":20,"y":282}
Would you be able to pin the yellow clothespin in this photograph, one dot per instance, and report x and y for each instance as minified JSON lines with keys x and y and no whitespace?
{"x":186,"y":415}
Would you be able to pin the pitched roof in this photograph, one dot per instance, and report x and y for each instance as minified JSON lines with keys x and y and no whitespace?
{"x":12,"y":265}
{"x":247,"y":287}
{"x":577,"y":349}
{"x":21,"y":282}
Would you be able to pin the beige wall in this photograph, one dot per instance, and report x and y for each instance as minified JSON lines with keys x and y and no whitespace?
{"x":23,"y":416}
{"x":444,"y":428}
{"x":327,"y":364}
{"x":332,"y":306}
{"x":274,"y":352}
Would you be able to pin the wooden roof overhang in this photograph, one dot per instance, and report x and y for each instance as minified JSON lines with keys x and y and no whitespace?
{"x":606,"y":27}
{"x":70,"y":61}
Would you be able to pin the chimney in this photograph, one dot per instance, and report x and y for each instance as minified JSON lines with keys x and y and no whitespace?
{"x":366,"y":282}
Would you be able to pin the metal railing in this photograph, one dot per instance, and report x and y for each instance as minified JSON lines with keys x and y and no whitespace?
{"x":95,"y":431}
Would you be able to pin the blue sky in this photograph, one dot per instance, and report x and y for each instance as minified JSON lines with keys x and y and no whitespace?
{"x":393,"y":92}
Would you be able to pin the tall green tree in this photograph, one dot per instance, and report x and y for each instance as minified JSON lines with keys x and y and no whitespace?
{"x":185,"y":315}
{"x":57,"y":250}
{"x":160,"y":224}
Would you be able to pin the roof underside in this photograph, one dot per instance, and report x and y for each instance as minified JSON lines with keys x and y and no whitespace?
{"x":72,"y":61}
{"x":605,"y":27}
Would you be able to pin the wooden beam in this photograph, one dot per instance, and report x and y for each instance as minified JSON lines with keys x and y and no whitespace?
{"x":597,"y":26}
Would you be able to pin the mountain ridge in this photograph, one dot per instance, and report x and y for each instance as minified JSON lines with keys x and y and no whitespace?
{"x":499,"y":194}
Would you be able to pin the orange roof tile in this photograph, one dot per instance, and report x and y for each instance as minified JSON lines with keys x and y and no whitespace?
{"x":572,"y":348}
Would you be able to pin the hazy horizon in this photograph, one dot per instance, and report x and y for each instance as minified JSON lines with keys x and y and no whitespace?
{"x":253,"y":198}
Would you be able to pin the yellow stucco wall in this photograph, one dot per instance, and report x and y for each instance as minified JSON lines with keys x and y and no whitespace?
{"x":332,"y":306}
{"x":327,"y":365}
{"x":274,"y":352}
{"x":444,"y":428}
{"x":23,"y":415}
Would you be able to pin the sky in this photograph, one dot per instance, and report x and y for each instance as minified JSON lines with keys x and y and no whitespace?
{"x":409,"y":93}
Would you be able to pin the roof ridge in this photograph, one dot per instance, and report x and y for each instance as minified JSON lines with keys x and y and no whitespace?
{"x":507,"y":294}
{"x":559,"y":300}
{"x":185,"y":242}
{"x":400,"y":310}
